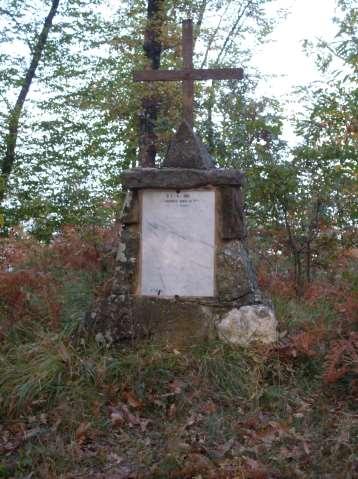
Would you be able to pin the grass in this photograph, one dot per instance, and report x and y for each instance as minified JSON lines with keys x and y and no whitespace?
{"x":72,"y":408}
{"x":235,"y":407}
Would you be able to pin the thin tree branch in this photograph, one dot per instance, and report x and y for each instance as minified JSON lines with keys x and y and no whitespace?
{"x":3,"y":11}
{"x":6,"y":101}
{"x":200,"y":20}
{"x":18,"y":25}
{"x":232,"y":31}
{"x":213,"y":36}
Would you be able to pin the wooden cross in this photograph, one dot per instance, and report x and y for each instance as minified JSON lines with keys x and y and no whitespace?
{"x":188,"y":74}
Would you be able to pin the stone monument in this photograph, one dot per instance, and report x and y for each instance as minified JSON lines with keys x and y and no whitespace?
{"x":183,"y":271}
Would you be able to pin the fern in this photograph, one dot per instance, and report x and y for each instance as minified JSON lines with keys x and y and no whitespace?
{"x":341,"y":359}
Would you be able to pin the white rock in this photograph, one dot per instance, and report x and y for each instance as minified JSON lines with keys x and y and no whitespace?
{"x":247,"y":324}
{"x":100,"y":338}
{"x":121,"y":252}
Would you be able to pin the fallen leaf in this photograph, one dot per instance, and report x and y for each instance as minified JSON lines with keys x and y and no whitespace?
{"x":172,"y":411}
{"x":82,"y":432}
{"x":256,"y":470}
{"x":198,"y":462}
{"x":43,"y":418}
{"x":209,"y":408}
{"x":131,"y":418}
{"x":121,"y":415}
{"x":64,"y":354}
{"x":176,"y":386}
{"x":225,"y":448}
{"x":96,"y":408}
{"x":144,"y":424}
{"x":306,"y":448}
{"x":193,"y":419}
{"x":130,"y":398}
{"x":114,"y":458}
{"x":116,"y":416}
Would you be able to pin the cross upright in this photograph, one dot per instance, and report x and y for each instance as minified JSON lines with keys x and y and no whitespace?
{"x":188,"y":74}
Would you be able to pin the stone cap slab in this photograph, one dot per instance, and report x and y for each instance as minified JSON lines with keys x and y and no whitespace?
{"x":180,"y":178}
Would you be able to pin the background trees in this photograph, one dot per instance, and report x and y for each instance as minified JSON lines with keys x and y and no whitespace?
{"x":15,"y":112}
{"x":81,"y":125}
{"x":327,"y":157}
{"x":55,"y":160}
{"x":84,"y":115}
{"x":302,"y":199}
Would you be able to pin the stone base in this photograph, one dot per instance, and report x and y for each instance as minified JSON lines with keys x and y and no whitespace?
{"x":163,"y":320}
{"x":181,"y":322}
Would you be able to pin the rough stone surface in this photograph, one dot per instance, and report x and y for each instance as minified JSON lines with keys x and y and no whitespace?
{"x":235,"y":276}
{"x":232,"y":213}
{"x":187,"y":151}
{"x":176,"y":178}
{"x":130,"y":210}
{"x":176,"y":323}
{"x":248,"y":324}
{"x":169,"y":321}
{"x":125,"y":275}
{"x":125,"y":315}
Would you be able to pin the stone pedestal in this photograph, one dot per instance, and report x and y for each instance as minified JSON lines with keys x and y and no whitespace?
{"x":182,"y":266}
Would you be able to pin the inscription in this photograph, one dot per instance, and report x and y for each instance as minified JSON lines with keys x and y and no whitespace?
{"x":181,"y":199}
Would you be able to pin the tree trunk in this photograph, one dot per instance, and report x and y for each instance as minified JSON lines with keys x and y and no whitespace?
{"x":308,"y":262}
{"x":15,"y":114}
{"x":299,"y":279}
{"x":210,"y":127}
{"x":150,"y":105}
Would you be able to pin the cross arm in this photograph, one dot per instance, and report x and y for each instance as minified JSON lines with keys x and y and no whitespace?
{"x":179,"y":75}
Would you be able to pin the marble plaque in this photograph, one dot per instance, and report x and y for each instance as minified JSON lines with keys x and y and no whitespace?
{"x":177,"y":243}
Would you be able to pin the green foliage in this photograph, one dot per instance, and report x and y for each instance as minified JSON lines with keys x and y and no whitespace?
{"x":81,"y":124}
{"x":305,"y":198}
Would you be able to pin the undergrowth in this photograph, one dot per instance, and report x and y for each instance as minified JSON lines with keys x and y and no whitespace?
{"x":73,"y":408}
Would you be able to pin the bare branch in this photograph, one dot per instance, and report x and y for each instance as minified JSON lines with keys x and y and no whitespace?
{"x":3,"y":11}
{"x":200,"y":20}
{"x":213,"y":36}
{"x":232,"y":32}
{"x":6,"y":101}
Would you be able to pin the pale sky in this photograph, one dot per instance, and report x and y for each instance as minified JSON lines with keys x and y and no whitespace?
{"x":283,"y":55}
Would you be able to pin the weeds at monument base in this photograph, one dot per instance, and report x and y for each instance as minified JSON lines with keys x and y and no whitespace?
{"x":72,"y":408}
